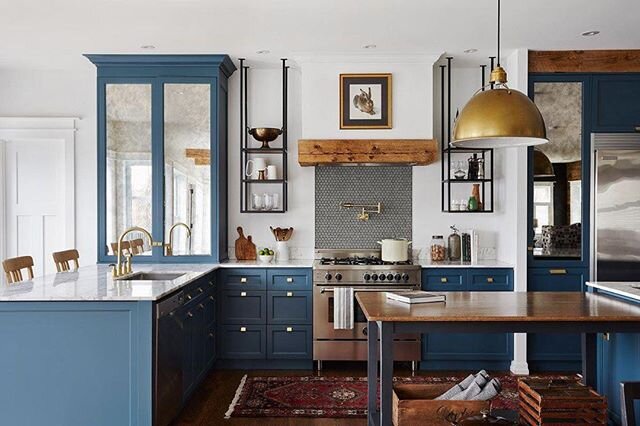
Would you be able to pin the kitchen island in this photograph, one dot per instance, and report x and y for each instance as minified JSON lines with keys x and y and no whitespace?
{"x":78,"y":347}
{"x":488,"y":312}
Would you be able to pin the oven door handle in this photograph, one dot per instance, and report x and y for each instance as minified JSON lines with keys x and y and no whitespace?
{"x":355,"y":290}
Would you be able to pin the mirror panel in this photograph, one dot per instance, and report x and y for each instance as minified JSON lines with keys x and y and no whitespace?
{"x":557,"y":168}
{"x":128,"y":168}
{"x":187,"y":159}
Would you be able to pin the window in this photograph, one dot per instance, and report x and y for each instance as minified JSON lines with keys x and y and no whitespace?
{"x":542,"y":205}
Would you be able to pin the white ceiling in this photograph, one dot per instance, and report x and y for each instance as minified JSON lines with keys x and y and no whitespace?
{"x":53,"y":34}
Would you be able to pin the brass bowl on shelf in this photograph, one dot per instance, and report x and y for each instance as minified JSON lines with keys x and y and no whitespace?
{"x":265,"y":135}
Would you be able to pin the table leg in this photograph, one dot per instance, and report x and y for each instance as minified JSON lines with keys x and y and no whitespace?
{"x":386,"y":371}
{"x":372,"y":374}
{"x":589,"y":363}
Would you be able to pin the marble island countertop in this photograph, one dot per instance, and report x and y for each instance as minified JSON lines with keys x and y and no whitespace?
{"x":94,"y":282}
{"x":630,"y":290}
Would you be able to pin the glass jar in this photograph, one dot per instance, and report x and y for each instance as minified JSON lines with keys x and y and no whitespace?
{"x":438,"y":249}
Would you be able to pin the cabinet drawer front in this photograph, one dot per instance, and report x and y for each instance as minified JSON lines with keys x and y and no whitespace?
{"x":289,"y":307}
{"x":243,"y":342}
{"x":289,"y":342}
{"x":491,"y":279}
{"x":243,"y":307}
{"x":444,"y":279}
{"x":248,"y":279}
{"x":556,"y":279}
{"x":467,"y":346}
{"x":289,"y":279}
{"x":195,"y":291}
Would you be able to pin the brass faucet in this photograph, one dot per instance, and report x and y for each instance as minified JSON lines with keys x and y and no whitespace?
{"x":121,"y":269}
{"x":169,"y":247}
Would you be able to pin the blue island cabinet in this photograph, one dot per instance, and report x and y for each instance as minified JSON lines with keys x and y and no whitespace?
{"x":461,"y":350}
{"x":265,"y":317}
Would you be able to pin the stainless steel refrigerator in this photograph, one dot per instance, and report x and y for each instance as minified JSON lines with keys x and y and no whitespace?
{"x":615,"y":207}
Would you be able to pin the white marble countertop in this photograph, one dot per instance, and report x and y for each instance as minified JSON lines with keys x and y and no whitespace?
{"x":426,"y":263}
{"x":94,"y":283}
{"x":625,"y":289}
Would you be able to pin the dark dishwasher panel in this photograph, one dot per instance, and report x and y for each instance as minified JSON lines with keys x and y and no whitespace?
{"x":167,"y":386}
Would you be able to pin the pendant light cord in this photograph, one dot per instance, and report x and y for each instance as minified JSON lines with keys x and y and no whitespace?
{"x":498,"y":58}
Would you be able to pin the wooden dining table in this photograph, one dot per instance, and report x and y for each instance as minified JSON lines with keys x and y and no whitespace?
{"x":487,"y":312}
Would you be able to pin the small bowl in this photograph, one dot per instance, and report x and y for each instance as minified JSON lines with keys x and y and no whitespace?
{"x":265,"y":135}
{"x":265,"y":258}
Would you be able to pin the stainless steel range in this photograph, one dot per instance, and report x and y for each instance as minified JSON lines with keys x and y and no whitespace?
{"x":364,"y":271}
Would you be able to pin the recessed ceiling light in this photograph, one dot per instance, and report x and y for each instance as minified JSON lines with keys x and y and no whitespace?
{"x":147,"y":47}
{"x":263,"y":52}
{"x":590,"y":33}
{"x":369,"y":46}
{"x":471,"y":51}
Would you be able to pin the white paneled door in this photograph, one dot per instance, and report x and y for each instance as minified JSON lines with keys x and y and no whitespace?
{"x":38,"y":192}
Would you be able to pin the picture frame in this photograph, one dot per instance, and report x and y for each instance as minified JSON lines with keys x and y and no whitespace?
{"x":365,"y":101}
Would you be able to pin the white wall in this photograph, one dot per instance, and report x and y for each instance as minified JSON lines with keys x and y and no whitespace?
{"x":63,"y":93}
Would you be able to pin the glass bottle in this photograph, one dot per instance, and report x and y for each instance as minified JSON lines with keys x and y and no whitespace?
{"x":438,"y":249}
{"x":454,"y":244}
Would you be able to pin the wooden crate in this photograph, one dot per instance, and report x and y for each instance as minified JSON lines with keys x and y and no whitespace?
{"x":560,"y":402}
{"x":414,"y":405}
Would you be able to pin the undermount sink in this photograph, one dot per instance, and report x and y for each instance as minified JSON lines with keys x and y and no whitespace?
{"x":153,"y":276}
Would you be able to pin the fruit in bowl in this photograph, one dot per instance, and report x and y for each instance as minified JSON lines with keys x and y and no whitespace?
{"x":265,"y":255}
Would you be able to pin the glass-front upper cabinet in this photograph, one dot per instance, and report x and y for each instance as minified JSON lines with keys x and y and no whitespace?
{"x":162,"y":145}
{"x":559,"y":185}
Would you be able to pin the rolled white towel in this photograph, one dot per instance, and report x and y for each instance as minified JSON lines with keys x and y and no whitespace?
{"x":491,"y":390}
{"x":474,"y":389}
{"x":456,"y":389}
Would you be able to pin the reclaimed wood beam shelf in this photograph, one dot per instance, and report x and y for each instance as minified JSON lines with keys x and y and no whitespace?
{"x":415,"y":152}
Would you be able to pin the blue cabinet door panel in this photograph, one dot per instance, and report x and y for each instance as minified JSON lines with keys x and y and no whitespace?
{"x":289,"y":307}
{"x":243,"y":307}
{"x":444,"y":279}
{"x":468,"y":346}
{"x":556,"y":279}
{"x":243,"y":342}
{"x":616,"y":102}
{"x":289,"y":342}
{"x":245,"y":279}
{"x":289,"y":279}
{"x":482,"y":279}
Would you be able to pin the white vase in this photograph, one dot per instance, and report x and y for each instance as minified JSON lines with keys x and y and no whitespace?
{"x":282,"y":247}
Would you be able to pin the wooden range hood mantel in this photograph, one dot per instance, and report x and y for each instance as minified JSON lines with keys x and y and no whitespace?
{"x":327,"y":152}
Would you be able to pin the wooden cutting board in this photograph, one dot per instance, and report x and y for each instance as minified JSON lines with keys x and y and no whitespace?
{"x":245,"y":249}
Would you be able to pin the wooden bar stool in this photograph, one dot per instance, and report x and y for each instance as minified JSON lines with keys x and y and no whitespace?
{"x":13,"y":268}
{"x":125,"y":247}
{"x":629,"y":391}
{"x":137,"y":246}
{"x":62,"y":259}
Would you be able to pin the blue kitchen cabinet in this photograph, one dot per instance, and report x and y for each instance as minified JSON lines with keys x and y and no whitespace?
{"x":616,"y":102}
{"x":265,"y":314}
{"x":555,"y":352}
{"x":467,"y":350}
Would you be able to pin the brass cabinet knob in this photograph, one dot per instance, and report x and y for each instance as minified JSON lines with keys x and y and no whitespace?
{"x":443,"y":280}
{"x":210,"y":334}
{"x":243,"y":279}
{"x":210,"y":283}
{"x":189,"y":297}
{"x":289,"y":279}
{"x":189,"y":314}
{"x":201,"y":306}
{"x":200,"y":290}
{"x":243,"y":294}
{"x":211,"y":298}
{"x":289,"y":293}
{"x":289,"y":329}
{"x":489,"y":279}
{"x":243,"y":329}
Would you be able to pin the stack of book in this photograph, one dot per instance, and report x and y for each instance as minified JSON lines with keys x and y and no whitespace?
{"x":469,"y":246}
{"x":412,"y":297}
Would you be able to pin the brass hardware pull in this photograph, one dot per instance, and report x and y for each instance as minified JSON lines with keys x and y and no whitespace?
{"x":558,"y":271}
{"x":211,"y":298}
{"x":189,"y":314}
{"x":243,"y":294}
{"x":210,"y":283}
{"x":201,"y":306}
{"x":289,"y":329}
{"x":243,"y":329}
{"x":605,"y":336}
{"x":289,"y":279}
{"x":210,"y":334}
{"x":189,"y":297}
{"x":243,"y":279}
{"x":200,"y":290}
{"x":289,"y":293}
{"x":443,"y":280}
{"x":489,"y":279}
{"x":529,"y":248}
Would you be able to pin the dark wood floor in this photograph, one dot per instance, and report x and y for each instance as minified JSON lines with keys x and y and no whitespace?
{"x":211,"y":400}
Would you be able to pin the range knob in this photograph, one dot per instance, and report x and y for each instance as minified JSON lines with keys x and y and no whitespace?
{"x":397,"y":277}
{"x":389,"y":277}
{"x":383,"y":277}
{"x":338,"y":276}
{"x":327,"y":276}
{"x":374,"y":277}
{"x":366,"y":277}
{"x":405,"y":277}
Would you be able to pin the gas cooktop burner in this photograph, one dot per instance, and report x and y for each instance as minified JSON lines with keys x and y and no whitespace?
{"x":357,"y":260}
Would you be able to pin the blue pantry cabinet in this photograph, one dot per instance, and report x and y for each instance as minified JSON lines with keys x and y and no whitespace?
{"x":616,"y":103}
{"x":265,"y":317}
{"x":467,"y":350}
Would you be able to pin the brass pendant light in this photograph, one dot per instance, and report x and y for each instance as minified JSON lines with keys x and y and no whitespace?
{"x":542,"y":167}
{"x":498,"y":118}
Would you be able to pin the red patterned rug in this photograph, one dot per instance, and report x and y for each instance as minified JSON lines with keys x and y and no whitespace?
{"x":333,"y":397}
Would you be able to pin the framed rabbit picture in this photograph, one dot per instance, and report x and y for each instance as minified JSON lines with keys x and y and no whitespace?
{"x":365,"y":101}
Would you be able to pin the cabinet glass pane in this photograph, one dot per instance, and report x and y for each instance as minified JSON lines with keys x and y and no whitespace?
{"x":187,"y":159}
{"x":557,"y":203}
{"x":129,"y":180}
